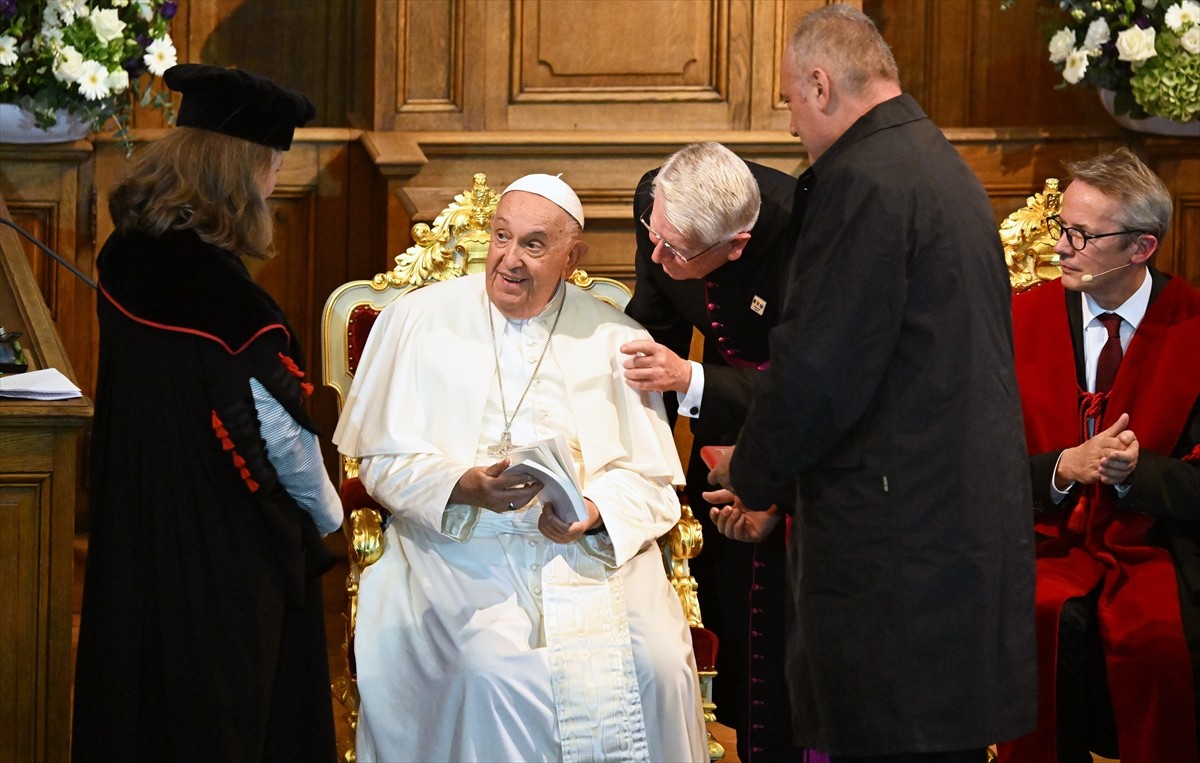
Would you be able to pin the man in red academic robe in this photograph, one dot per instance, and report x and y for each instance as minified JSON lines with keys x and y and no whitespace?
{"x":1112,"y":421}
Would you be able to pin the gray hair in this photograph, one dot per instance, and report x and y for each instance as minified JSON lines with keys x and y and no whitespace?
{"x":845,"y":42}
{"x":1121,"y":175}
{"x":708,"y":193}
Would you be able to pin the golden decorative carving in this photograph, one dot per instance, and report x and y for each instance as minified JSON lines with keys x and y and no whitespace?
{"x":366,"y":536}
{"x":1028,"y":246}
{"x":455,"y":244}
{"x":684,"y":542}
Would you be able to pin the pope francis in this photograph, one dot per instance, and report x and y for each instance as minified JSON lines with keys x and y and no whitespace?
{"x":490,"y":629}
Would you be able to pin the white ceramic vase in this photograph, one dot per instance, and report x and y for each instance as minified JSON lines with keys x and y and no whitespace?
{"x":1152,"y":125}
{"x":17,"y":126}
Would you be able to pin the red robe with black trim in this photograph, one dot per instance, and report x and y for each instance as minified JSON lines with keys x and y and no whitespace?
{"x":1096,"y":539}
{"x":202,"y":632}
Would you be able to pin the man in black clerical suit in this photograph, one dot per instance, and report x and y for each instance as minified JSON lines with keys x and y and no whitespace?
{"x":713,"y":248}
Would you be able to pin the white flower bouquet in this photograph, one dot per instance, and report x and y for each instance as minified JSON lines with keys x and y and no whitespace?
{"x":1146,"y":51}
{"x":95,"y":59}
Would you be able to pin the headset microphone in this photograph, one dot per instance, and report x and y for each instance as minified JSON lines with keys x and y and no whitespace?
{"x":1088,"y":277}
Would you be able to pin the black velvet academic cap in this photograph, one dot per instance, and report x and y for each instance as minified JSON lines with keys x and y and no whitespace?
{"x":238,"y":103}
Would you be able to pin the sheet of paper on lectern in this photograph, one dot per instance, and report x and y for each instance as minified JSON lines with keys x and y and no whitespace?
{"x":549,"y":462}
{"x":44,"y":384}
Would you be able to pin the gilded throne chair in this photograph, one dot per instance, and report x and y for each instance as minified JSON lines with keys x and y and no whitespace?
{"x":456,"y":244}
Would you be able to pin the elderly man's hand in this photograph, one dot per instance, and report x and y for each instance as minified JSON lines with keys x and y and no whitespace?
{"x":490,"y":488}
{"x":559,"y":531}
{"x":655,"y":368}
{"x":1108,"y":457}
{"x":734,"y":521}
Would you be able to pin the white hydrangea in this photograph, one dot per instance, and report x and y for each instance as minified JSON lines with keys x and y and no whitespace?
{"x":1190,"y":40}
{"x":107,"y":25}
{"x":1183,"y":13}
{"x":1136,"y":45}
{"x":1097,"y":34}
{"x":68,"y":64}
{"x":1076,"y":66}
{"x":8,"y":50}
{"x":145,"y":10}
{"x":1061,"y":44}
{"x":160,"y":56}
{"x":1148,"y":4}
{"x":93,"y":80}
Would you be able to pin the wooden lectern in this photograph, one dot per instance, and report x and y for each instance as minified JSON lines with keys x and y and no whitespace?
{"x":38,"y":453}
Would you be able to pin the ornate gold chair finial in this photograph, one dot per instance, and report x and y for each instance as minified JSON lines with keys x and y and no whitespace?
{"x":455,"y":244}
{"x":1028,"y":246}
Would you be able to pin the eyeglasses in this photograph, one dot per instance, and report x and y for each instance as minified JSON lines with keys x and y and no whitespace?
{"x":656,"y":239}
{"x":1077,"y":238}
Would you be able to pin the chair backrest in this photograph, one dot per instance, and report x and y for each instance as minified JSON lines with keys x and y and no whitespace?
{"x":1028,"y":245}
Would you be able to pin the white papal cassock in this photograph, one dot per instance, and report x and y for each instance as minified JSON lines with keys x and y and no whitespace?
{"x":478,"y":638}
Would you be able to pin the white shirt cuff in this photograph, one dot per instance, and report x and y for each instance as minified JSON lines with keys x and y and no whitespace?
{"x":1056,"y":494}
{"x":689,"y":404}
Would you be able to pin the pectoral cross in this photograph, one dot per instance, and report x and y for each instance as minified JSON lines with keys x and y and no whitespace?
{"x":502,"y":448}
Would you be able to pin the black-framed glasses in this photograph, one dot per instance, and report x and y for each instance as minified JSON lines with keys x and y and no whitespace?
{"x":656,"y":239}
{"x":1077,"y":238}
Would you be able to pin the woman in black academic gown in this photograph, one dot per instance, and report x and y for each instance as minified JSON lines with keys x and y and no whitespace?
{"x":202,"y":634}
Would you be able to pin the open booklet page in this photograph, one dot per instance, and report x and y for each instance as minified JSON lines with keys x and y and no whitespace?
{"x":549,"y":462}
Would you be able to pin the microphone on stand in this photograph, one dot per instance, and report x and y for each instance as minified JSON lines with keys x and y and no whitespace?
{"x":1088,"y":277}
{"x":57,"y":258}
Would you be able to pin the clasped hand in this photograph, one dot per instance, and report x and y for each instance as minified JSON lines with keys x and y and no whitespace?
{"x":1109,"y":457}
{"x":734,"y":520}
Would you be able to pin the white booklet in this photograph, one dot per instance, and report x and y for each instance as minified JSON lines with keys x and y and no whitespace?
{"x":44,"y":384}
{"x":550,"y":463}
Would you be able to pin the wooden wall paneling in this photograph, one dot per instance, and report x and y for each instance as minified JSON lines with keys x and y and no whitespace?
{"x":35,"y":606}
{"x":430,"y":62}
{"x":772,"y":25}
{"x":970,"y":64}
{"x":1177,"y":162}
{"x":305,"y":45}
{"x":48,"y":191}
{"x":363,"y":45}
{"x":663,"y":64}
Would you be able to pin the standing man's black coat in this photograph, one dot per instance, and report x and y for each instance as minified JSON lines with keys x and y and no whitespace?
{"x":892,"y":398}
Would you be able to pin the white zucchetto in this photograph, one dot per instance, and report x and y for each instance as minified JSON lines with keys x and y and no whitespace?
{"x":553,"y":188}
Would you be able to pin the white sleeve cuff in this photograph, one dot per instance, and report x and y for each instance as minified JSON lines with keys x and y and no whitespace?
{"x":1055,"y":494}
{"x":689,"y":404}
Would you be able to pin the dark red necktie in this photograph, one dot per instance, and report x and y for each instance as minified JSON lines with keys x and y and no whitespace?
{"x":1110,"y":354}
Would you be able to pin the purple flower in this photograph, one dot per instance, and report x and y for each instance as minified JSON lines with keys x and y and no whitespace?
{"x":8,"y":7}
{"x":167,"y":11}
{"x":144,"y":40}
{"x":1143,"y":21}
{"x":134,"y":65}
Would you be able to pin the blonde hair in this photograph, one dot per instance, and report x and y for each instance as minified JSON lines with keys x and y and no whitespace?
{"x":1121,"y":175}
{"x":708,"y":193}
{"x":203,"y":181}
{"x":845,"y":42}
